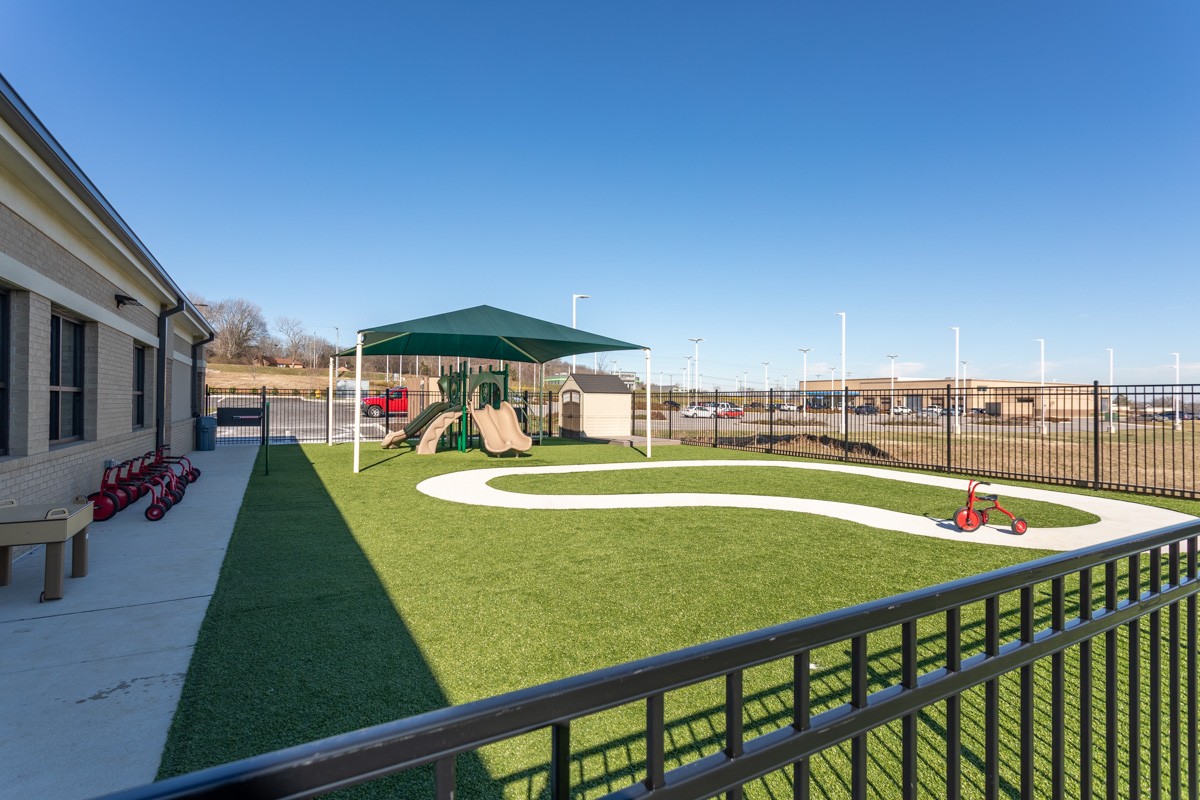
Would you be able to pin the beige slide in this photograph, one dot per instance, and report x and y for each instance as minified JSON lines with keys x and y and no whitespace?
{"x":429,"y":442}
{"x":500,"y":430}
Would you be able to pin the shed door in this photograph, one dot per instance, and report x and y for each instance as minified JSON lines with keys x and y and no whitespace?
{"x":570,"y":427}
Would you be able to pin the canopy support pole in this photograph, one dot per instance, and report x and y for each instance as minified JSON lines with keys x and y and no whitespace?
{"x":543,"y":406}
{"x":649,"y":433}
{"x":357,"y":398}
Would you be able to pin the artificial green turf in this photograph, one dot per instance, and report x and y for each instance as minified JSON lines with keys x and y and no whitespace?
{"x":347,"y":600}
{"x":910,"y":498}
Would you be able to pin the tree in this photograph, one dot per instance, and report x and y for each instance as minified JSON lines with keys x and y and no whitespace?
{"x":241,"y":329}
{"x":293,"y":338}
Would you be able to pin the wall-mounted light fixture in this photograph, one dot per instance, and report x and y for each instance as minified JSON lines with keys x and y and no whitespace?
{"x":125,"y":300}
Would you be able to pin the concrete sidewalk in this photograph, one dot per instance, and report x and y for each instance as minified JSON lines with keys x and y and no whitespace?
{"x":91,"y":681}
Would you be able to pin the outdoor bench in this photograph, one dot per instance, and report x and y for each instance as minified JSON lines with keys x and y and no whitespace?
{"x":51,"y":526}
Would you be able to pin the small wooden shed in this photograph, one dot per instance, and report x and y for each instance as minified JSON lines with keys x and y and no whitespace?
{"x":595,"y":407}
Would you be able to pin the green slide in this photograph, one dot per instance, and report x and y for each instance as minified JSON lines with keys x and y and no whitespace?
{"x":414,"y":426}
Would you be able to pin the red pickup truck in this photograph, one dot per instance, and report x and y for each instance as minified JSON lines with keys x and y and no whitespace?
{"x":396,"y":403}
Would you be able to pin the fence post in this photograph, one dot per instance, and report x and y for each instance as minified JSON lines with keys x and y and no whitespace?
{"x":670,"y":416}
{"x":263,"y":432}
{"x":715,"y":418}
{"x":770,"y":420}
{"x":845,"y":424}
{"x":949,"y":437}
{"x":1096,"y":434}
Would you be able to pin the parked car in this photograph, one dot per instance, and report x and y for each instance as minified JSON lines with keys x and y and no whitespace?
{"x":788,"y":407}
{"x":932,"y":411}
{"x":394,"y":401}
{"x":670,"y":404}
{"x":898,"y":410}
{"x":698,"y":412}
{"x":730,"y":411}
{"x":867,"y":409}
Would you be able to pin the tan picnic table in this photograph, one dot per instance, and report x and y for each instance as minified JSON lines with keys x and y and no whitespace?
{"x":51,"y":526}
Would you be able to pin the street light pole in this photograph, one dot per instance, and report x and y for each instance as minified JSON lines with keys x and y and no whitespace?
{"x":1111,"y":404}
{"x":765,"y":385}
{"x":697,"y":343}
{"x":1178,"y":422}
{"x":804,"y":384}
{"x":574,"y":298}
{"x":688,"y":380}
{"x":957,"y":400}
{"x":842,"y":417}
{"x":892,"y":403}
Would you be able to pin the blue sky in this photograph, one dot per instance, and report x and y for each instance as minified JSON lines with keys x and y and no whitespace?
{"x":738,"y":172}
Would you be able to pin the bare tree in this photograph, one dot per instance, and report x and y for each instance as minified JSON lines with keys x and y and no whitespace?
{"x":241,"y":329}
{"x":292,"y":337}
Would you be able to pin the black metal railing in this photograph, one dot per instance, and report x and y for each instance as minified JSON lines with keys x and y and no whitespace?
{"x":989,"y":686}
{"x":1127,"y":438}
{"x":304,"y":415}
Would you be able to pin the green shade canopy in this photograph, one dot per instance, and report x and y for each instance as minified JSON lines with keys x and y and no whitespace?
{"x":484,"y":332}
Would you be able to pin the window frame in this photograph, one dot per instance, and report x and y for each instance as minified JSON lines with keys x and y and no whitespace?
{"x":57,"y":389}
{"x":139,"y":386}
{"x":5,"y":334}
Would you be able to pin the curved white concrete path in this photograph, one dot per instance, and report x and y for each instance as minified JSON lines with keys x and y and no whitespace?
{"x":1117,"y":518}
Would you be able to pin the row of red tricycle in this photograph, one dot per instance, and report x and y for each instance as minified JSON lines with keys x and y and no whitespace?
{"x":163,"y":477}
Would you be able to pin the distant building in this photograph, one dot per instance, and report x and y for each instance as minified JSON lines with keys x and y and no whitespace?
{"x":991,"y":397}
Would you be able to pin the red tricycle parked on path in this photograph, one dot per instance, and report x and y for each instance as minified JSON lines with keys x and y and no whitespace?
{"x":969,"y":519}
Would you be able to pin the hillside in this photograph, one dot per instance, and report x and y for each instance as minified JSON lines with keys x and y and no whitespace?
{"x":242,"y":376}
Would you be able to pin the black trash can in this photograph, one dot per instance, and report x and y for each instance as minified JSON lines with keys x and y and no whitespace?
{"x":206,"y":433}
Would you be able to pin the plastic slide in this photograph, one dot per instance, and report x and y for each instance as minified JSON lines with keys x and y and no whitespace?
{"x":414,"y":426}
{"x":429,"y":442}
{"x":500,"y":430}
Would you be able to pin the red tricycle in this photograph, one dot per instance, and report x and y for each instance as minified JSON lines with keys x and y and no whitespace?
{"x":969,"y":519}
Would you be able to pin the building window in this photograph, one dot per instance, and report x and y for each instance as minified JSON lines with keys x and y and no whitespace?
{"x":66,"y":380}
{"x":4,"y":326}
{"x":139,"y":387}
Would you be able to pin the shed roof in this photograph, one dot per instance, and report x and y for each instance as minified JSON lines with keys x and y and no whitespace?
{"x":601,"y":384}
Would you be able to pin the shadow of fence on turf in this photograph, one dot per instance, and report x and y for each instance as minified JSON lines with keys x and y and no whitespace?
{"x":613,"y":764}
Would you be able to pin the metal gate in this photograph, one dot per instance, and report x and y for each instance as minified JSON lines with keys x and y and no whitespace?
{"x":570,"y":428}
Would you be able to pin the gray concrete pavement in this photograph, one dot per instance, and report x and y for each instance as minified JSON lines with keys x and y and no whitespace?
{"x":91,"y":682}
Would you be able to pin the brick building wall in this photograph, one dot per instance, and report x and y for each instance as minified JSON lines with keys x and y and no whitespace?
{"x":34,"y":471}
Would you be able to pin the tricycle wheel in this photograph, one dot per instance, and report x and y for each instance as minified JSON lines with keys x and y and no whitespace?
{"x":967,"y":519}
{"x":104,"y":505}
{"x":123,"y":498}
{"x":194,"y":474}
{"x":155,"y":512}
{"x":1019,"y":526}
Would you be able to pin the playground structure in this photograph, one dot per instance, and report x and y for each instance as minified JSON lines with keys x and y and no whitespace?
{"x":480,"y":398}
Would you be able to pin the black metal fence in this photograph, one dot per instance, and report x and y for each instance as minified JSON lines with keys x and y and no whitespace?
{"x":313,"y":416}
{"x":1074,"y":675}
{"x":1131,"y":438}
